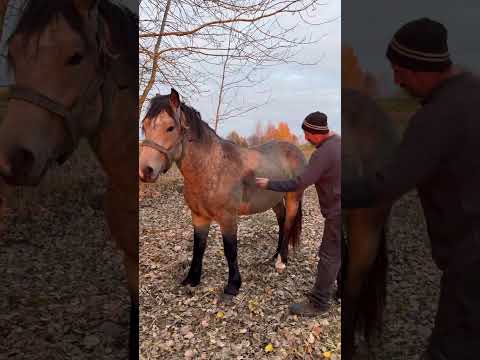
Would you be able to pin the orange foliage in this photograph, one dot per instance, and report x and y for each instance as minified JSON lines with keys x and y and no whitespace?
{"x":353,"y":77}
{"x":281,"y":132}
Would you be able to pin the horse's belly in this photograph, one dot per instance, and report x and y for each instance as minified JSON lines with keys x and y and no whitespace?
{"x":259,"y":202}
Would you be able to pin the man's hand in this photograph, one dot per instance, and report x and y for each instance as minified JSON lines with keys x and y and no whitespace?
{"x":261,"y":182}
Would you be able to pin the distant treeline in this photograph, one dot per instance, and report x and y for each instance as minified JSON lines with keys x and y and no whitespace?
{"x":260,"y":136}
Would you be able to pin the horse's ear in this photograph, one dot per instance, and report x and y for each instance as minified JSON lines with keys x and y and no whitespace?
{"x":174,"y":99}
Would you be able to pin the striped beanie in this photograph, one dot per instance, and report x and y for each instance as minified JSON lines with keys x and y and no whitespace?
{"x":316,"y":123}
{"x":420,"y":45}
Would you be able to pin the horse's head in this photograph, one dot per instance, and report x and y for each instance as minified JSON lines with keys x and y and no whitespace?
{"x":55,"y":57}
{"x":164,"y":129}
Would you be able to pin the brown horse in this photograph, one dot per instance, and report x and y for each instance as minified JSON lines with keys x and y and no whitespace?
{"x":219,"y":180}
{"x":76,"y":71}
{"x":369,"y":139}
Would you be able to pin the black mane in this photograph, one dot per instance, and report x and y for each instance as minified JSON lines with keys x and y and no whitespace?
{"x":200,"y":129}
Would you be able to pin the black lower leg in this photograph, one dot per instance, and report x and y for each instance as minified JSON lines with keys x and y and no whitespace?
{"x":230,"y":250}
{"x":134,"y":331}
{"x":280,"y":214}
{"x":200,"y":235}
{"x":284,"y":247}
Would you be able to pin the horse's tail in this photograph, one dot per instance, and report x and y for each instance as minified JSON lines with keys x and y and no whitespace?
{"x":296,"y":230}
{"x":372,"y":297}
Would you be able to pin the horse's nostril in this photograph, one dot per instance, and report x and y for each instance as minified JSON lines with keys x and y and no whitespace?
{"x":21,"y":161}
{"x":148,"y":171}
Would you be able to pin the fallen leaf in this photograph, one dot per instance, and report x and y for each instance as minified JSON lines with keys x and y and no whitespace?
{"x":189,"y":354}
{"x":327,"y":354}
{"x":269,"y":348}
{"x":316,"y":330}
{"x":220,"y":315}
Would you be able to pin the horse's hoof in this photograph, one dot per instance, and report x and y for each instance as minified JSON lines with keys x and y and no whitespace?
{"x":231,"y":290}
{"x":190,"y":281}
{"x":226,"y":299}
{"x":279,"y":265}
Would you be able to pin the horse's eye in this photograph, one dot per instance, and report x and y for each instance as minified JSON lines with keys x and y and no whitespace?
{"x":75,"y":59}
{"x":170,"y":129}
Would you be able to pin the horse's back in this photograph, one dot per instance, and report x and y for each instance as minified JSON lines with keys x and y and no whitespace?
{"x":369,"y":136}
{"x":280,"y":159}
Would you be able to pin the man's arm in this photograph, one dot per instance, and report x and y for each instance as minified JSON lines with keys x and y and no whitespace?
{"x":316,"y":166}
{"x":430,"y":137}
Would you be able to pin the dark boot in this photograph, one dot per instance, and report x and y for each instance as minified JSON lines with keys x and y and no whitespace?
{"x":308,"y":308}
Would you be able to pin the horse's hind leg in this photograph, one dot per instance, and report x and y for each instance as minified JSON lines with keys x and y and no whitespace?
{"x":364,"y":227}
{"x":201,"y":228}
{"x":292,"y":217}
{"x":280,"y":213}
{"x":228,"y":227}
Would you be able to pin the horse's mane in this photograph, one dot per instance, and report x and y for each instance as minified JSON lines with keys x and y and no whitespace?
{"x":199,"y":128}
{"x":122,"y":22}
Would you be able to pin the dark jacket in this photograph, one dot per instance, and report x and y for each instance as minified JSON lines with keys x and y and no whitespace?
{"x":323,"y":170}
{"x":440,"y":155}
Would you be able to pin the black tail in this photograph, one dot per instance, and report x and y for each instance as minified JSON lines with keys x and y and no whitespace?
{"x":342,"y":273}
{"x":372,"y":297}
{"x":296,"y":230}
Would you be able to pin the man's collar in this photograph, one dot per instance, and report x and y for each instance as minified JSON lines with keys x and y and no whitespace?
{"x":325,"y":140}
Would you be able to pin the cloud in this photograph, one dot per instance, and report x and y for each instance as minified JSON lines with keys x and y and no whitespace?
{"x":294,"y":90}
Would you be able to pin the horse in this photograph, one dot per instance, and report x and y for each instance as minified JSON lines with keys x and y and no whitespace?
{"x":75,"y":65}
{"x":219,"y":181}
{"x":369,"y":139}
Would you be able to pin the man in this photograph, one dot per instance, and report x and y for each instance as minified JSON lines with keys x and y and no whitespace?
{"x":439,"y":156}
{"x":323,"y":170}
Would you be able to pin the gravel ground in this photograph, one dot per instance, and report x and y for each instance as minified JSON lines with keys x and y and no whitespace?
{"x":178,"y":323}
{"x":63,"y":292}
{"x":412,"y":285}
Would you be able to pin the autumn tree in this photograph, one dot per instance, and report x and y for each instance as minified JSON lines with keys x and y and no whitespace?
{"x":354,"y":77}
{"x":237,"y":139}
{"x":280,"y":132}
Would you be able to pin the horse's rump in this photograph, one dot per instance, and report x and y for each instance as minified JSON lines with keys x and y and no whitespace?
{"x":279,"y":160}
{"x":369,"y":135}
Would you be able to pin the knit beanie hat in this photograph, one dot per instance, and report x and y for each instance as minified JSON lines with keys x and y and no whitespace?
{"x":420,"y":45}
{"x":316,"y":123}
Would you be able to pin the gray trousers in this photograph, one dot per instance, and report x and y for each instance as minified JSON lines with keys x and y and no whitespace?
{"x":330,"y":256}
{"x":456,"y":333}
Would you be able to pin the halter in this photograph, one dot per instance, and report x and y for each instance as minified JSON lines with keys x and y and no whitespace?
{"x":168,"y":153}
{"x":102,"y":84}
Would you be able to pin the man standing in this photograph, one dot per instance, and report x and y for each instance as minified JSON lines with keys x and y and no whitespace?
{"x":323,"y":170}
{"x":439,"y":156}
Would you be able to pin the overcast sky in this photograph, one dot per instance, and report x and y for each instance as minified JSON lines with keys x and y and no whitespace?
{"x":295,"y":90}
{"x":369,"y":25}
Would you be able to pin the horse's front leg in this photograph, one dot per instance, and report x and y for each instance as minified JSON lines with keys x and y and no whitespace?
{"x":228,"y":226}
{"x":201,"y":228}
{"x":122,"y":217}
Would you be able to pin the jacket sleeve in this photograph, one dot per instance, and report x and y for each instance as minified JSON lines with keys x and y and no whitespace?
{"x":431,"y":135}
{"x":316,"y":166}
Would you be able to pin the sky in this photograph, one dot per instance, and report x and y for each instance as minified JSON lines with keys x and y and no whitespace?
{"x":369,"y":26}
{"x":294,"y":90}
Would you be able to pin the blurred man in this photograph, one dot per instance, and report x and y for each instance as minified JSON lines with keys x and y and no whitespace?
{"x":439,"y":156}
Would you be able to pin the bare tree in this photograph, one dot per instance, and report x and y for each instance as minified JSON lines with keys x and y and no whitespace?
{"x":200,"y":37}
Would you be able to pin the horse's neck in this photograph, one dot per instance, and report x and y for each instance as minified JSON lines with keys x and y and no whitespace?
{"x":199,"y":157}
